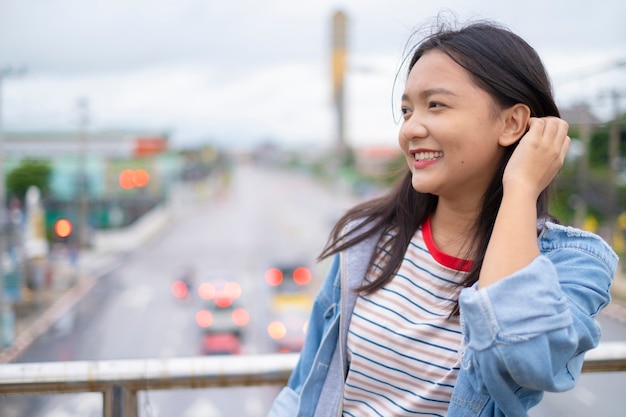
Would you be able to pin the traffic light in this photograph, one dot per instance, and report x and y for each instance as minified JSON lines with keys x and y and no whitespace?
{"x":126,"y":179}
{"x":63,"y":228}
{"x":140,"y":178}
{"x":130,"y":178}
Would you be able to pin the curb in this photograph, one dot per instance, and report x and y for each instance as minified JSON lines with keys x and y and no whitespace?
{"x":47,"y":319}
{"x":100,"y":265}
{"x":61,"y":306}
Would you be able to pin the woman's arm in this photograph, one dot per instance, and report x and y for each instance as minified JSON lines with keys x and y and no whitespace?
{"x":529,"y":332}
{"x":533,"y":165}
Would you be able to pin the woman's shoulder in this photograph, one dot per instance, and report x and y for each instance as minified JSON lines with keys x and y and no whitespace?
{"x":554,"y":236}
{"x":360,"y":225}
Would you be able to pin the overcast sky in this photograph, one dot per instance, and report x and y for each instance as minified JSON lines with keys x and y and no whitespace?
{"x":240,"y":71}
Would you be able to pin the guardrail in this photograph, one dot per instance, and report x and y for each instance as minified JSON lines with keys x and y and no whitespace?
{"x":120,"y":380}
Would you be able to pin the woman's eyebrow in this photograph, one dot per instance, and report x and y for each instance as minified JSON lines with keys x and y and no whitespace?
{"x":430,"y":92}
{"x":439,"y":90}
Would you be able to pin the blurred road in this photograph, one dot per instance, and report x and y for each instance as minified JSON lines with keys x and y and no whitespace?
{"x":265,"y":218}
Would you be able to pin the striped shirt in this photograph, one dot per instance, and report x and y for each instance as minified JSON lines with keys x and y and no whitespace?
{"x":403,"y":349}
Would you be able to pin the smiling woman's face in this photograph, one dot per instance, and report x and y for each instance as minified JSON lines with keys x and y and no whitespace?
{"x":450,"y":130}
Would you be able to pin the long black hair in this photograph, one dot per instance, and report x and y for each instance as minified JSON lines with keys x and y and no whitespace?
{"x":510,"y":71}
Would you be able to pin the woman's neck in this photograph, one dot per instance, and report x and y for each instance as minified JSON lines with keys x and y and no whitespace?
{"x":452,"y":229}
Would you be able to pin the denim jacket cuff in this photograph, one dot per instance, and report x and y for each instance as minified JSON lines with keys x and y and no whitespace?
{"x":528,"y":302}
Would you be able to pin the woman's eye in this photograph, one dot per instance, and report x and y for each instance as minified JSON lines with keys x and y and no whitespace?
{"x":405,"y":111}
{"x":434,"y":104}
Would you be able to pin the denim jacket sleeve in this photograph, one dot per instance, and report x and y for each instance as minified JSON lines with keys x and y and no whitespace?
{"x":301,"y":394}
{"x":528,"y":332}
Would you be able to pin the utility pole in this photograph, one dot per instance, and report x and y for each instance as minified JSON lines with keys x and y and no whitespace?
{"x":82,"y":106}
{"x":614,"y":145}
{"x":7,"y":315}
{"x":582,"y":177}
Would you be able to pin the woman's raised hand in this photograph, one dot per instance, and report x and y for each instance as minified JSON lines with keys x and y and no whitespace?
{"x":538,"y":157}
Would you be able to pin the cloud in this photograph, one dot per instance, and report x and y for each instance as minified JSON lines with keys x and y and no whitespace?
{"x":241,"y":70}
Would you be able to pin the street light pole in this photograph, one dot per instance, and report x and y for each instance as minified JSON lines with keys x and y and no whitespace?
{"x":7,"y":315}
{"x":83,"y":198}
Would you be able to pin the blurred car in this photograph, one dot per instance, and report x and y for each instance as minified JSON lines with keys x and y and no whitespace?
{"x":291,"y":287}
{"x":182,"y":287}
{"x":288,"y":278}
{"x":221,"y":317}
{"x":291,"y":302}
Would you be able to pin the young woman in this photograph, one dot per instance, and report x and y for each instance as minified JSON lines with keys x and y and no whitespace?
{"x":457,"y":294}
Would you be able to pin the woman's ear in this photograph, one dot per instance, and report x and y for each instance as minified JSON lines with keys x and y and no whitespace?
{"x":515,"y":124}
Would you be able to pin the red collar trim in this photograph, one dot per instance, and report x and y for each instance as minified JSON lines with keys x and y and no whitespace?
{"x":441,"y":257}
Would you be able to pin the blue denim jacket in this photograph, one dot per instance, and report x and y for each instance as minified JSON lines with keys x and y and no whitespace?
{"x":521,"y":336}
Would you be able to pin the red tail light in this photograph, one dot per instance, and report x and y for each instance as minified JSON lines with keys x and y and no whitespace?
{"x":223,"y":301}
{"x":240,"y":317}
{"x":302,"y":275}
{"x":274,"y":277}
{"x":179,"y":289}
{"x":204,"y":318}
{"x":206,"y":291}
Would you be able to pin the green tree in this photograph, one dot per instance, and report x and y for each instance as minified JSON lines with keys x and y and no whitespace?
{"x":30,"y":172}
{"x":599,"y":146}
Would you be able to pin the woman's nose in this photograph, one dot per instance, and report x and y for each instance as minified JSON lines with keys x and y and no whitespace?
{"x":413,"y":129}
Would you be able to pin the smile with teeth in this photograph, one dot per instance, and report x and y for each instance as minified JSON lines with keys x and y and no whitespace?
{"x":427,"y":156}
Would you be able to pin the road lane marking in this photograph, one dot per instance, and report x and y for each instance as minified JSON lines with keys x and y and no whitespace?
{"x":584,"y":395}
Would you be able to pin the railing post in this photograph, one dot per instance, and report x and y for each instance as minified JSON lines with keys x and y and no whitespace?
{"x":119,"y":401}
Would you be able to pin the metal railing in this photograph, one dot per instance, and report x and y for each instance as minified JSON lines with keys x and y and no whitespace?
{"x":120,"y":380}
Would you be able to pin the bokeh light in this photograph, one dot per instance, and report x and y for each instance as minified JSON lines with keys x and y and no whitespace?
{"x":204,"y":318}
{"x":274,"y":277}
{"x":63,"y":228}
{"x":276,"y":330}
{"x":241,"y":317}
{"x":179,"y":289}
{"x":223,"y":301}
{"x":140,"y":178}
{"x":127,"y":181}
{"x":302,"y":275}
{"x":232,"y":290}
{"x":206,"y":291}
